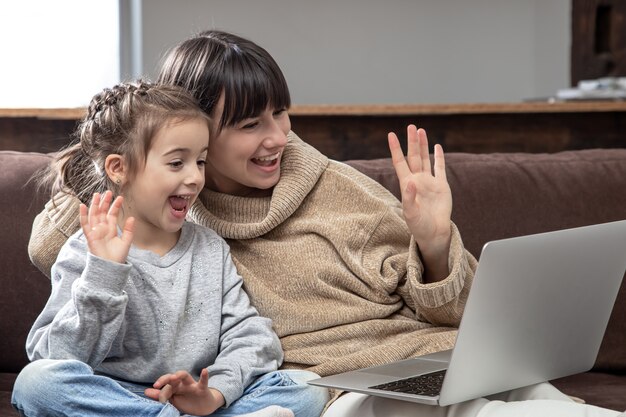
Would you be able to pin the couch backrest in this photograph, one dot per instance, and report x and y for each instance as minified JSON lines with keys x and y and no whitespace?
{"x":23,"y":289}
{"x":505,"y":195}
{"x":495,"y":196}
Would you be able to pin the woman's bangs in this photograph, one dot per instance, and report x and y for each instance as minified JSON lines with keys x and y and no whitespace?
{"x":250,"y":89}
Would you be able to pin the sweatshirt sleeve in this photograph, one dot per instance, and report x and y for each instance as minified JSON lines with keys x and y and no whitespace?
{"x":85,"y":310}
{"x":248,"y":345}
{"x":51,"y":229}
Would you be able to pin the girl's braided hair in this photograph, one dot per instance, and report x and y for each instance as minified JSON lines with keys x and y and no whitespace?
{"x":120,"y":120}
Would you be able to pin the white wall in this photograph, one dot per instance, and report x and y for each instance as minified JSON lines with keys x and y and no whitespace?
{"x":391,"y":51}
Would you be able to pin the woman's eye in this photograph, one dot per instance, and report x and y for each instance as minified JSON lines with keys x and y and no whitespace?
{"x":250,"y":125}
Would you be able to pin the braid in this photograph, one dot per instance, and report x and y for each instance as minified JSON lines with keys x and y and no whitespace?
{"x":110,"y":97}
{"x":120,"y":120}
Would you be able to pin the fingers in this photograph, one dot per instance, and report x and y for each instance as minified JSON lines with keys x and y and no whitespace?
{"x":105,"y":201}
{"x":204,"y":378}
{"x":417,"y":153}
{"x":168,"y":385}
{"x":165,"y":394}
{"x":92,"y":215}
{"x":422,"y":141}
{"x":128,"y":230}
{"x":101,"y":211}
{"x":440,"y":163}
{"x":417,"y":159}
{"x":114,"y":210}
{"x":184,"y":377}
{"x":162,"y":381}
{"x":103,"y":206}
{"x":99,"y":207}
{"x":112,"y":215}
{"x":152,"y":393}
{"x":414,"y":149}
{"x":172,"y":379}
{"x":397,"y":156}
{"x":84,"y":222}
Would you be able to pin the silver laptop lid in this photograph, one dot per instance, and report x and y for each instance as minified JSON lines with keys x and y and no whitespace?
{"x":537,"y":311}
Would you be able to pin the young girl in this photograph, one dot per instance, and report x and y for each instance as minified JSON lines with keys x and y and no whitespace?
{"x":145,"y":306}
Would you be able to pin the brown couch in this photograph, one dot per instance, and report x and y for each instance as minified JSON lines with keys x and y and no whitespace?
{"x":495,"y":196}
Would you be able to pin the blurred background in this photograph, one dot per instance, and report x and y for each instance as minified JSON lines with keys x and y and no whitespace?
{"x":59,"y":53}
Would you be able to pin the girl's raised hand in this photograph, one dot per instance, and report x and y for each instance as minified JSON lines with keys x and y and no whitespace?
{"x":426,"y":198}
{"x":99,"y":224}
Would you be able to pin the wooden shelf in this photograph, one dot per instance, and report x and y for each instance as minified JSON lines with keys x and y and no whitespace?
{"x":344,"y":131}
{"x":461,"y":108}
{"x":378,"y":109}
{"x":53,"y":114}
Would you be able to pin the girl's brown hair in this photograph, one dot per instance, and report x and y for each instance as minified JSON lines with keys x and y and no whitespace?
{"x":120,"y":120}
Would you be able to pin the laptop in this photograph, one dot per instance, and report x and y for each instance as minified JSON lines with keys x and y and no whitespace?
{"x":537,"y":310}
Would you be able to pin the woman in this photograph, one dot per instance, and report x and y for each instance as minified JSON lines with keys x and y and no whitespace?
{"x":350,"y":276}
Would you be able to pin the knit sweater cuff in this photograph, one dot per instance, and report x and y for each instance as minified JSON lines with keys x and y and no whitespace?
{"x":63,"y":213}
{"x":436,"y":294}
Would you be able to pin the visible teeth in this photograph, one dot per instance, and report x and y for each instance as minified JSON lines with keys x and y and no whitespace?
{"x":268,"y":158}
{"x":186,"y":197}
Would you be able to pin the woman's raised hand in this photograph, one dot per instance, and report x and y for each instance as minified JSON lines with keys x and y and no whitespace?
{"x":426,"y":198}
{"x":99,"y":224}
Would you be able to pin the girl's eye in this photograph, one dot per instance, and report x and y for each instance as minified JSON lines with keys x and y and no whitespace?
{"x":279,"y":112}
{"x":201,"y":163}
{"x":176,"y":164}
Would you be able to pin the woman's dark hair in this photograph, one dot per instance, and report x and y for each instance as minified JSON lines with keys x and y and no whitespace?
{"x":215,"y":63}
{"x":120,"y":120}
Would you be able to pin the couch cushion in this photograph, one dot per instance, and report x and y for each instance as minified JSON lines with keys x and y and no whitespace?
{"x":505,"y":195}
{"x":596,"y":388}
{"x":6,"y":409}
{"x":24,"y":289}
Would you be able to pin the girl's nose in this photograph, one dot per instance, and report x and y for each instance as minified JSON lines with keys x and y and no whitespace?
{"x":196,"y":176}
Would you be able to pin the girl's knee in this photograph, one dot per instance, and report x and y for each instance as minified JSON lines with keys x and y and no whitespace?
{"x":46,"y":374}
{"x":311,"y":397}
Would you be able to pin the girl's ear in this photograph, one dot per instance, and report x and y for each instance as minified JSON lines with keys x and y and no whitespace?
{"x":116,"y":169}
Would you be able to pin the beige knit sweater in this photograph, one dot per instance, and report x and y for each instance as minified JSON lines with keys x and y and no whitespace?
{"x":328,"y":257}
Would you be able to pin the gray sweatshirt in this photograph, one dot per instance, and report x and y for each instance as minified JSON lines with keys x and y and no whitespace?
{"x":154,"y":315}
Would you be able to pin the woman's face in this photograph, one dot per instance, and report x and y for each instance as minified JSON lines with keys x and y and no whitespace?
{"x":244,"y":159}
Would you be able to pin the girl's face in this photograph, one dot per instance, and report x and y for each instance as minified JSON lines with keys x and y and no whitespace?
{"x":160,"y":194}
{"x":244,"y":159}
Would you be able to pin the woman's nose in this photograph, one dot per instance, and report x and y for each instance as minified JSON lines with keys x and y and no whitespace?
{"x":276,"y":136}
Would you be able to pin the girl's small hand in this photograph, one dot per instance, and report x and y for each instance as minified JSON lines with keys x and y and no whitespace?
{"x":187,"y":395}
{"x":426,"y":199}
{"x":99,"y":224}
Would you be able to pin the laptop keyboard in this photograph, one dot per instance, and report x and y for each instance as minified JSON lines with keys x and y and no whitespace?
{"x":427,"y":384}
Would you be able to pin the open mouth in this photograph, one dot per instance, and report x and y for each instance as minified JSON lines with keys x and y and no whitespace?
{"x":180,"y":204}
{"x":267,"y":161}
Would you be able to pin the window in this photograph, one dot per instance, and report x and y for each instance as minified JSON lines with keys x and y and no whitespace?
{"x":57,"y":53}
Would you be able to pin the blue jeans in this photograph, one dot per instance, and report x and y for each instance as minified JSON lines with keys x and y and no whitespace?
{"x":70,"y":388}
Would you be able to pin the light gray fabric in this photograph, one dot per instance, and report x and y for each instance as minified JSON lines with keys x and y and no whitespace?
{"x":153,"y":315}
